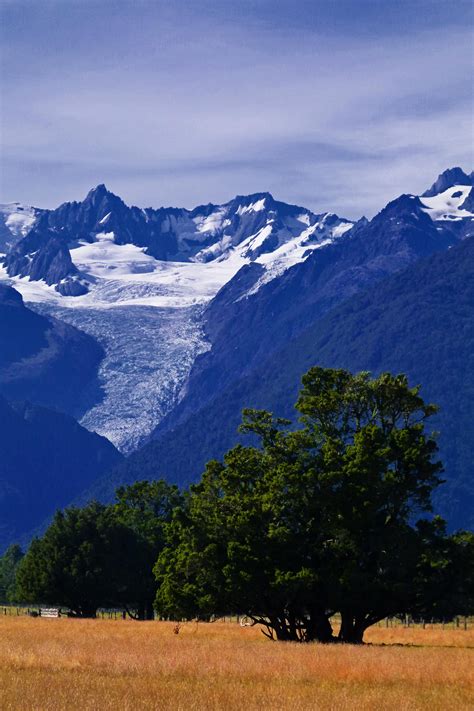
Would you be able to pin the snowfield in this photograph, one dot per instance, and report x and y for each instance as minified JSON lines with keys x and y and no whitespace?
{"x":447,"y":205}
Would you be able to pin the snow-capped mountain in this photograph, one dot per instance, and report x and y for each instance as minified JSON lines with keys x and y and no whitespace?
{"x":78,"y":245}
{"x":153,"y":286}
{"x":405,"y":230}
{"x":138,"y":279}
{"x":448,"y":179}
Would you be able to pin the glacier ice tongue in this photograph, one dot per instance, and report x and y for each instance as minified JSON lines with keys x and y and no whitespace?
{"x":149,"y":352}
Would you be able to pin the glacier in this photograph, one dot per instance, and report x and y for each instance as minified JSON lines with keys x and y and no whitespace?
{"x":149,"y":351}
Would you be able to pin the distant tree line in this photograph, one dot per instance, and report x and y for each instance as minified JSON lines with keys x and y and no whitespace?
{"x":331,"y":517}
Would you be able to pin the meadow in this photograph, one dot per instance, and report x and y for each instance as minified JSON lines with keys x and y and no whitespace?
{"x":51,"y":664}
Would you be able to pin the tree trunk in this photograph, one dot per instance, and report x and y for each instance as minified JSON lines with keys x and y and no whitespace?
{"x":319,"y":628}
{"x":283,"y":632}
{"x":352,"y":628}
{"x":294,"y":629}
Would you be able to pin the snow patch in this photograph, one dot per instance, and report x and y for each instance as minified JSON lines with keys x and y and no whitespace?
{"x":104,"y":258}
{"x":447,"y":205}
{"x":297,"y":250}
{"x":212,"y":223}
{"x":16,"y":220}
{"x":257,"y":240}
{"x":341,"y":229}
{"x":253,"y":207}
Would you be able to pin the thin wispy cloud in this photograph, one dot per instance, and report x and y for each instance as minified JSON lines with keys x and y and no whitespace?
{"x":171,"y":105}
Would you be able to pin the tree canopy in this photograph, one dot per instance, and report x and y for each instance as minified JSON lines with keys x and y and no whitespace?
{"x":85,"y":560}
{"x":9,"y":562}
{"x":313,"y":521}
{"x":145,"y":508}
{"x":100,"y":555}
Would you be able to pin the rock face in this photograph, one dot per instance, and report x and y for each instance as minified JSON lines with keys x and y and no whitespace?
{"x":468,"y":203}
{"x":45,"y":360}
{"x":43,"y":256}
{"x":450,"y":177}
{"x":52,"y":263}
{"x":9,"y":296}
{"x":47,"y":458}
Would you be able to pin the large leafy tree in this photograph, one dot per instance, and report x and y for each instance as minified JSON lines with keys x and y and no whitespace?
{"x":85,"y":560}
{"x":101,"y":556}
{"x":326,"y":518}
{"x":145,"y":508}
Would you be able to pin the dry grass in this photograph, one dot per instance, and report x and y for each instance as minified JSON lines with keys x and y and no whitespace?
{"x":102,"y":664}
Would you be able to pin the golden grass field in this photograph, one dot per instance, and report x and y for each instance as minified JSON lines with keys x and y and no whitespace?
{"x":50,"y":664}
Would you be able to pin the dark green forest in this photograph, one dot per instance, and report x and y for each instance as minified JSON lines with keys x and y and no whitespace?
{"x":332,"y":515}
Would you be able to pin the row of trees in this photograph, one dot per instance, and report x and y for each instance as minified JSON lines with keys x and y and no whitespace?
{"x":332,"y":517}
{"x":100,"y":555}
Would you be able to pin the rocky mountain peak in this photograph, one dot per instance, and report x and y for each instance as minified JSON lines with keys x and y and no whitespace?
{"x":448,"y":178}
{"x":98,"y":192}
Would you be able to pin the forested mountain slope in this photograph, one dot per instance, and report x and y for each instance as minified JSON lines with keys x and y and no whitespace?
{"x":46,"y":460}
{"x":419,"y":321}
{"x":247,"y":320}
{"x":45,"y":360}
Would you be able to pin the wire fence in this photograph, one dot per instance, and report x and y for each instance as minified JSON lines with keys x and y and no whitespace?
{"x":459,"y":622}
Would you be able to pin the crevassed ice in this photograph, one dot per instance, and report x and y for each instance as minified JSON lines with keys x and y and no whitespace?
{"x":149,"y":353}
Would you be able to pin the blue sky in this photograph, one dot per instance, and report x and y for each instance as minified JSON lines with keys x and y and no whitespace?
{"x":338,"y":105}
